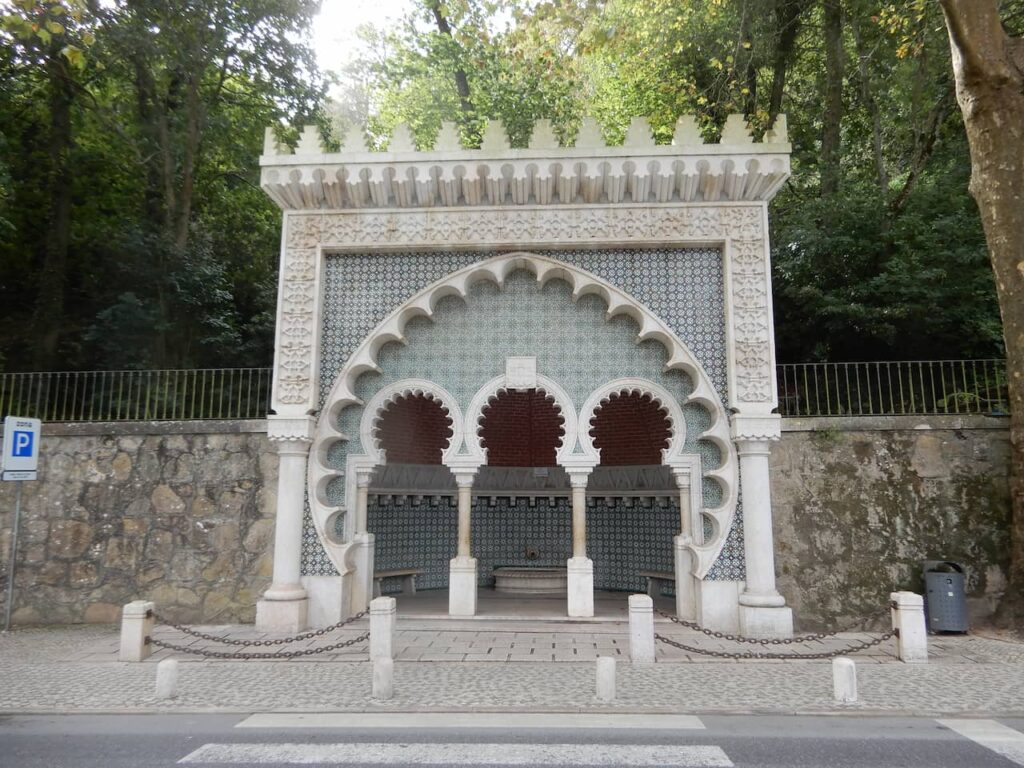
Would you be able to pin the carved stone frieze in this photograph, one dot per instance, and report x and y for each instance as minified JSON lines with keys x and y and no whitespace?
{"x":741,"y":225}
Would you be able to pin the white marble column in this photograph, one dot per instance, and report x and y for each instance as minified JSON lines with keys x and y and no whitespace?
{"x":284,"y":605}
{"x":462,"y":573}
{"x":362,"y":558}
{"x":580,"y":567}
{"x":689,"y":534}
{"x":763,"y":611}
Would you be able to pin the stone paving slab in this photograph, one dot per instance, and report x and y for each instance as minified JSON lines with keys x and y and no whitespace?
{"x":75,"y":669}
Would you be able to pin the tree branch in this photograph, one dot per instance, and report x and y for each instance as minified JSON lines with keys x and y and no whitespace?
{"x":978,"y":39}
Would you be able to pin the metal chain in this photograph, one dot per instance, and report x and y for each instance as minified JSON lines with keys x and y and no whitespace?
{"x":257,"y":643}
{"x":767,"y":640}
{"x":858,"y":646}
{"x":241,"y":655}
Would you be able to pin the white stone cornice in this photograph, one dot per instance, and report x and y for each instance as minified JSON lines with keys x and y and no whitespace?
{"x":290,"y":429}
{"x":735,"y":170}
{"x":756,"y":428}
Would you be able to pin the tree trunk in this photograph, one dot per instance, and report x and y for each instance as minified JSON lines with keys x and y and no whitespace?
{"x":868,"y":96}
{"x":48,"y":316}
{"x":833,"y":114}
{"x":461,"y":81}
{"x":989,"y":69}
{"x":787,"y":23}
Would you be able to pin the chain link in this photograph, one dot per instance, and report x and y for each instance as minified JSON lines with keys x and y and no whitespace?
{"x":258,"y":643}
{"x":769,"y":640}
{"x":858,"y":646}
{"x":282,"y":654}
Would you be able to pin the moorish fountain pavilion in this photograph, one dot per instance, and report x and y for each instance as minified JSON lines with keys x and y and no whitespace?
{"x":551,"y":359}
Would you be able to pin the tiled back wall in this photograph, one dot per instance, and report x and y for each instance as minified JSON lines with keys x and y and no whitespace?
{"x":624,"y":536}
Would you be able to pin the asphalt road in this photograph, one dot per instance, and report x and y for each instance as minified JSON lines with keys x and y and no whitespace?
{"x":138,"y":741}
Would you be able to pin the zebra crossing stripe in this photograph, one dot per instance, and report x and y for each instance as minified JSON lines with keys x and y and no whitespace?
{"x":462,"y":754}
{"x":503,"y":720}
{"x":1000,"y":738}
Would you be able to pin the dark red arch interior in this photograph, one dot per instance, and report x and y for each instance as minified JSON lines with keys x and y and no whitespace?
{"x":414,"y":429}
{"x":630,"y":429}
{"x":521,"y":428}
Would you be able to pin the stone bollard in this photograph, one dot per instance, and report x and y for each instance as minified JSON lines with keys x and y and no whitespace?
{"x":641,"y":629}
{"x":908,"y":624}
{"x":383,"y":612}
{"x":844,"y":680}
{"x":167,"y":679}
{"x":383,"y":678}
{"x":605,"y":678}
{"x":136,"y":625}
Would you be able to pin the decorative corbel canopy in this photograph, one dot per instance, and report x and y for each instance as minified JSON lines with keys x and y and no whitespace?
{"x":737,"y":169}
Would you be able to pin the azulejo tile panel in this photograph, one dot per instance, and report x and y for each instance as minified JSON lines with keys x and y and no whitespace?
{"x":624,"y":536}
{"x":466,"y":343}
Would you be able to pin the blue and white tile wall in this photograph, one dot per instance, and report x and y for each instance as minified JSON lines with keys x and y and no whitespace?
{"x":682,"y":286}
{"x":624,"y":537}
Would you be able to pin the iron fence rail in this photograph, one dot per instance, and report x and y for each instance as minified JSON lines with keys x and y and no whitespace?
{"x":805,"y":389}
{"x":918,"y":387}
{"x":170,"y":395}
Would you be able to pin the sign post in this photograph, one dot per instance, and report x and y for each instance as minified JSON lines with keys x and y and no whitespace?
{"x":20,"y":462}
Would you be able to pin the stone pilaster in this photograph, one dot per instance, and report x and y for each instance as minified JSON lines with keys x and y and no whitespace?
{"x":763,"y":611}
{"x":284,"y":605}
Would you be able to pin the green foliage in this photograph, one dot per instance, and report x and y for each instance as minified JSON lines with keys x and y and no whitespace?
{"x":173,"y":247}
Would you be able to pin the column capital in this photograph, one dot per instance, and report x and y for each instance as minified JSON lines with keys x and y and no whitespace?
{"x":686,"y":471}
{"x":364,"y":475}
{"x":464,"y":469}
{"x":578,"y":468}
{"x":578,"y":476}
{"x":291,"y":434}
{"x":756,"y":428}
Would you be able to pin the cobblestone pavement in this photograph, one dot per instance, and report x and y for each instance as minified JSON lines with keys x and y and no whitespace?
{"x":495,"y":666}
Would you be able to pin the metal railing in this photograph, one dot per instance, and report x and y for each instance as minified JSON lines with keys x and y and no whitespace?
{"x":211,"y":393}
{"x":893,"y":388}
{"x":805,"y":389}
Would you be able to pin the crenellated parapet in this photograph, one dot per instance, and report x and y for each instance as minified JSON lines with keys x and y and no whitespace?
{"x":639,"y":171}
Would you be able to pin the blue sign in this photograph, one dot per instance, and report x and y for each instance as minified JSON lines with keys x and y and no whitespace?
{"x":20,"y":456}
{"x":23,"y":444}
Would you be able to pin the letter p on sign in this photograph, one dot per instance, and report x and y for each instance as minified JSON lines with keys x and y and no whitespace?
{"x":22,"y":444}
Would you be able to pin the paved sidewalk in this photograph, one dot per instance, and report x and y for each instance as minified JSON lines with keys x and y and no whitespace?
{"x":503,"y":666}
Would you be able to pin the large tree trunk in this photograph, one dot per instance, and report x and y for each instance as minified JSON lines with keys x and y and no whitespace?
{"x":989,"y":69}
{"x":833,"y":114}
{"x":48,"y":315}
{"x":787,"y":22}
{"x":461,"y":81}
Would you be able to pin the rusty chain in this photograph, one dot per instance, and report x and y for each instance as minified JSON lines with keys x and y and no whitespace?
{"x":257,"y":643}
{"x":858,"y":646}
{"x":282,"y":654}
{"x":769,"y":640}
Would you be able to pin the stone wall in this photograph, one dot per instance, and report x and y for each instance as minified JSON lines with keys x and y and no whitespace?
{"x":860,"y":502}
{"x":182,"y":513}
{"x":179,"y":512}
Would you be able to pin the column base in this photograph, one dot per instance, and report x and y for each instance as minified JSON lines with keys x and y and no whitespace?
{"x":581,"y":587}
{"x":462,"y":586}
{"x":756,"y":621}
{"x":687,"y":584}
{"x":283,"y":616}
{"x":362,"y":582}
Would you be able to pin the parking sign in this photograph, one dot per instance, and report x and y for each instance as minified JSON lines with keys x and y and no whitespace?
{"x":21,"y":448}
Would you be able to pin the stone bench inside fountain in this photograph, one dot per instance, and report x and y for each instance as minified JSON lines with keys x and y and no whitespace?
{"x":407,"y":575}
{"x":531,"y":580}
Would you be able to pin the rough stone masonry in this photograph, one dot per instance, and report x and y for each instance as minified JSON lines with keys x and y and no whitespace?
{"x":181,"y":513}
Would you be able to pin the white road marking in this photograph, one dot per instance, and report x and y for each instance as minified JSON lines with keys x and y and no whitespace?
{"x":1000,"y":738}
{"x":467,"y":720}
{"x":463,"y":754}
